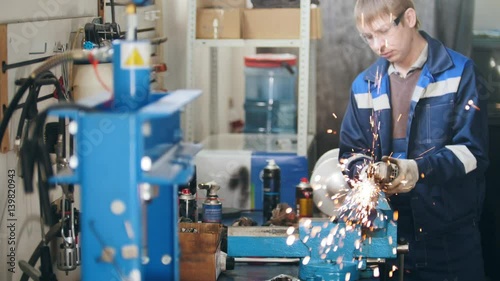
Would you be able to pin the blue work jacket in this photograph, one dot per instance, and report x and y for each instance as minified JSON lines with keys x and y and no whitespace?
{"x":447,"y":135}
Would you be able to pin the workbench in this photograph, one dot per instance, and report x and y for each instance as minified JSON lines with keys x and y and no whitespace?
{"x":264,"y":271}
{"x":259,"y":271}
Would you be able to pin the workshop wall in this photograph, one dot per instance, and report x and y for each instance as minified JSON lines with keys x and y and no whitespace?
{"x":486,"y":19}
{"x":34,"y":30}
{"x":30,"y":40}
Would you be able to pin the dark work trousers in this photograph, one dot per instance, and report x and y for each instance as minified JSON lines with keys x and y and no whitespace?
{"x":455,"y":256}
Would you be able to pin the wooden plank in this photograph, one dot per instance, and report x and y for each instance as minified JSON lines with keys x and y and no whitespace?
{"x":100,"y":8}
{"x":4,"y":87}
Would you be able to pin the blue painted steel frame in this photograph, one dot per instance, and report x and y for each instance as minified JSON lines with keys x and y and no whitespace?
{"x":109,"y":149}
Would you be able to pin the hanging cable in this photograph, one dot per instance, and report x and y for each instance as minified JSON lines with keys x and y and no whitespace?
{"x":29,"y":107}
{"x":72,"y":55}
{"x":13,"y":104}
{"x":49,"y":236}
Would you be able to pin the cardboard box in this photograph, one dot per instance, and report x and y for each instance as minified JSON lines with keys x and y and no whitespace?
{"x":222,"y":4}
{"x":218,"y":24}
{"x":278,"y":23}
{"x":200,"y":251}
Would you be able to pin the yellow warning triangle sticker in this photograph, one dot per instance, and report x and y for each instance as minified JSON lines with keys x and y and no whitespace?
{"x":134,"y":59}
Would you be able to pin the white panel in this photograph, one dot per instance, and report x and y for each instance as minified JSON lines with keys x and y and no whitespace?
{"x":486,"y":14}
{"x":222,"y":166}
{"x":30,"y":36}
{"x":19,"y":221}
{"x":20,"y":48}
{"x":42,"y":10}
{"x":27,"y":213}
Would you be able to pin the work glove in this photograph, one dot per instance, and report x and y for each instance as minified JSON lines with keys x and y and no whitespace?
{"x":381,"y":172}
{"x":407,"y":175}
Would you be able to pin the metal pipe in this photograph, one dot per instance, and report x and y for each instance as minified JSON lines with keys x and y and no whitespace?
{"x":112,"y":4}
{"x":145,"y":248}
{"x":401,"y":266}
{"x":402,"y":249}
{"x":147,"y":29}
{"x":131,"y":23}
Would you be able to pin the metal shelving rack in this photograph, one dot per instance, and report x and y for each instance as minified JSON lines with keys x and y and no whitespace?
{"x":306,"y":99}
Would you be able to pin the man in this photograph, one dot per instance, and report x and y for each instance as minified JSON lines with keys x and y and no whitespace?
{"x":420,"y":106}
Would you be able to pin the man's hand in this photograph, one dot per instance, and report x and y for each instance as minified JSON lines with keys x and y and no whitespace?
{"x":382,"y":172}
{"x":407,"y":177}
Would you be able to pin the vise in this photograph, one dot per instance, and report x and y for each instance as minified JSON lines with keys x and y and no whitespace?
{"x":327,"y":249}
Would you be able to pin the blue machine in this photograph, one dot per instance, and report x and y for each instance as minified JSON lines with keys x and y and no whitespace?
{"x":327,"y":250}
{"x":143,"y":2}
{"x":129,"y":159}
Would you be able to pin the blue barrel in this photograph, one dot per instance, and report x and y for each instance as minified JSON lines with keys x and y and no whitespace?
{"x":270,"y":95}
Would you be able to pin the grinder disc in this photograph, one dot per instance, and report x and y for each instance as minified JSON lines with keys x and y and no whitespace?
{"x":329,"y":186}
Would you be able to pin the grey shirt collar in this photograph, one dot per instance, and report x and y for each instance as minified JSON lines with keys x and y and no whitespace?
{"x":419,"y":63}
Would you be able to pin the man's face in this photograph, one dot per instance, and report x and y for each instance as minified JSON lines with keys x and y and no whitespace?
{"x":387,"y":37}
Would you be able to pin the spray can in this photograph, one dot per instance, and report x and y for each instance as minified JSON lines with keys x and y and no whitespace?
{"x":212,"y":206}
{"x":304,"y":199}
{"x":271,"y":178}
{"x":187,"y":205}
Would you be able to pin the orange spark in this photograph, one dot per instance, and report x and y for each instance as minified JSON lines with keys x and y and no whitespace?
{"x":471,"y":103}
{"x":395,"y":215}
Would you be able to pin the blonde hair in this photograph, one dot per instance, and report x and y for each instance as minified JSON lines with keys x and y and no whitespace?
{"x":367,"y":11}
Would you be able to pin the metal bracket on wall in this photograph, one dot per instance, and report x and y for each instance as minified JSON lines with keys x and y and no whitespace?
{"x":4,"y":88}
{"x":303,"y":86}
{"x":189,"y":113}
{"x":6,"y":66}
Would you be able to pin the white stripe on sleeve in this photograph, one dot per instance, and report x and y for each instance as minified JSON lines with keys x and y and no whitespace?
{"x":441,"y":88}
{"x":465,"y":156}
{"x":364,"y":100}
